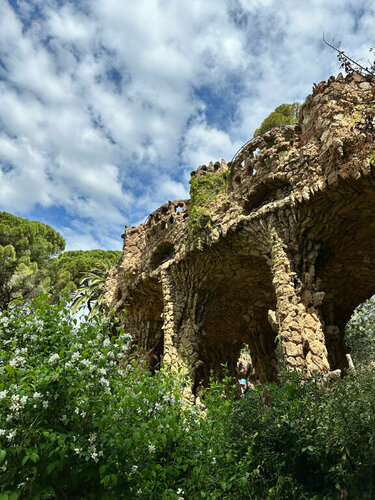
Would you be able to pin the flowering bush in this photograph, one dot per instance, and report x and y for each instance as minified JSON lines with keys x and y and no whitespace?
{"x":74,"y":423}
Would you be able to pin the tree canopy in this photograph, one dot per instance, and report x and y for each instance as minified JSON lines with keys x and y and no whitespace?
{"x":25,"y":247}
{"x":30,"y":261}
{"x":67,"y":270}
{"x":282,"y":115}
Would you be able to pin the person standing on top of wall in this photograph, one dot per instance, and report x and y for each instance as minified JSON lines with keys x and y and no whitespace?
{"x":245,"y":388}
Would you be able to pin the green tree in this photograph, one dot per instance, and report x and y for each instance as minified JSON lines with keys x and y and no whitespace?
{"x":282,"y":115}
{"x":65,"y":272}
{"x":25,"y":248}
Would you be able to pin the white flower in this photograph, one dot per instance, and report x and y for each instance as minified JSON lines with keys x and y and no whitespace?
{"x":53,"y":358}
{"x":18,"y":402}
{"x":2,"y":432}
{"x":103,"y":371}
{"x":45,"y":404}
{"x":94,"y":456}
{"x":63,"y":418}
{"x":180,"y":491}
{"x":104,"y":381}
{"x":37,"y":395}
{"x":134,"y":468}
{"x":3,"y":394}
{"x":92,"y":437}
{"x":106,"y":342}
{"x":11,"y":435}
{"x":214,"y":460}
{"x":76,"y":356}
{"x":151,"y":448}
{"x":17,"y":361}
{"x":4,"y":320}
{"x":18,"y":351}
{"x":39,"y":325}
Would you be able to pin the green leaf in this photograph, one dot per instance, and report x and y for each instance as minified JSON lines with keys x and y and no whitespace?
{"x":9,"y":369}
{"x":106,"y":480}
{"x":127,"y":444}
{"x":2,"y":455}
{"x":52,"y":466}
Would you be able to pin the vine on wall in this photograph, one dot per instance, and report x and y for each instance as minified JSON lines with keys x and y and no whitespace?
{"x":203,"y":192}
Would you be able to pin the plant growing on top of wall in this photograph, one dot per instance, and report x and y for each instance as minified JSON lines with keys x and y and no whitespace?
{"x":203,"y":192}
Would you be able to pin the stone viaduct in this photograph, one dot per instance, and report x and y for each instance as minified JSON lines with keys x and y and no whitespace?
{"x":279,"y":252}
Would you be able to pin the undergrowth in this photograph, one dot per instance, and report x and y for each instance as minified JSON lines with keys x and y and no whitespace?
{"x":76,"y":423}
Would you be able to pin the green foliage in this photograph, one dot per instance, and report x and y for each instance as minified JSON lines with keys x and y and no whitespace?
{"x":282,"y":115}
{"x":25,"y":247}
{"x":313,"y":438}
{"x":360,"y":333}
{"x":91,"y":289}
{"x":203,"y":192}
{"x":67,"y":270}
{"x":74,"y":423}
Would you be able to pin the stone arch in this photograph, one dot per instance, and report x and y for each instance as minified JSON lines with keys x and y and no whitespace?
{"x":236,"y":313}
{"x":341,"y":245}
{"x":145,"y":308}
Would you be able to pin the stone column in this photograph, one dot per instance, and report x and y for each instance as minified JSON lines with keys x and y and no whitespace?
{"x":300,"y":328}
{"x":181,"y":331}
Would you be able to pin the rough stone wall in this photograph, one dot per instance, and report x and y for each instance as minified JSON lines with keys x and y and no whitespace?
{"x":287,"y":255}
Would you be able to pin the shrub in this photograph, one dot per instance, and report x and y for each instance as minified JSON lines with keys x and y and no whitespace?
{"x":314,"y":438}
{"x":76,"y":424}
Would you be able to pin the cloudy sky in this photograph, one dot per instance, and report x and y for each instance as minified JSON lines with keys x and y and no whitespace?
{"x":107,"y":105}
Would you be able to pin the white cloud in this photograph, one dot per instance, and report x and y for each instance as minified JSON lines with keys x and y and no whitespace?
{"x":203,"y":144}
{"x":99,"y":109}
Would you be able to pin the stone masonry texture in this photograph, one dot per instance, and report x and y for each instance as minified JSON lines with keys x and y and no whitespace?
{"x":287,"y":251}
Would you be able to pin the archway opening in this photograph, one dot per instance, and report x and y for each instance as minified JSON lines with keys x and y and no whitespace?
{"x":145,"y":323}
{"x":236,"y":315}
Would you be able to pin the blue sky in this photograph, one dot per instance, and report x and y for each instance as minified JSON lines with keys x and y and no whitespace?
{"x":106,"y":106}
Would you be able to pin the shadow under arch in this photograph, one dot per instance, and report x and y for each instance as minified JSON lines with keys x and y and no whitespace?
{"x":145,"y":309}
{"x":236,"y":313}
